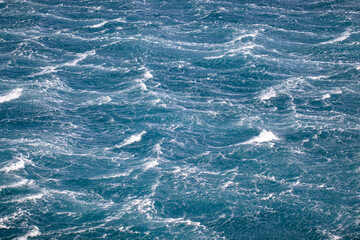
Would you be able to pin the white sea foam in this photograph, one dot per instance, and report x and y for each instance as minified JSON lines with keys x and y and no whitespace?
{"x":143,"y":205}
{"x":245,"y":49}
{"x":148,"y":74}
{"x":115,"y":175}
{"x":330,"y":235}
{"x":271,"y":195}
{"x":343,"y":37}
{"x":51,"y":69}
{"x":13,"y":94}
{"x":80,"y":57}
{"x":266,"y":95}
{"x":130,"y":140}
{"x":99,"y":101}
{"x":14,"y":166}
{"x":29,"y":198}
{"x":151,"y":164}
{"x":238,"y":38}
{"x":215,"y":57}
{"x":325,"y":96}
{"x":18,"y":184}
{"x":10,"y":218}
{"x":157,"y":148}
{"x":228,"y":183}
{"x":265,"y":136}
{"x":182,"y":221}
{"x":143,"y":86}
{"x":33,"y":233}
{"x":98,"y":25}
{"x":318,"y":77}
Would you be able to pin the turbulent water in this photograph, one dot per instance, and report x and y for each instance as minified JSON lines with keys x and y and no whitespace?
{"x":180,"y":119}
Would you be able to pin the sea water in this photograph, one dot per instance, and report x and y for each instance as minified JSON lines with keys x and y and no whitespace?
{"x":186,"y":119}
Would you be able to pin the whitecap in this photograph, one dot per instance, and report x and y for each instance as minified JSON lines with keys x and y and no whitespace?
{"x":325,"y":96}
{"x":143,"y":86}
{"x":13,"y":94}
{"x":228,"y":183}
{"x":182,"y":221}
{"x":266,"y":95}
{"x":80,"y":57}
{"x":100,"y":101}
{"x":18,"y":184}
{"x":52,"y":69}
{"x":318,"y":77}
{"x":238,"y":38}
{"x":215,"y":57}
{"x":148,"y":74}
{"x":115,"y":175}
{"x":343,"y":37}
{"x":29,"y":198}
{"x":143,"y":205}
{"x":130,"y":140}
{"x":151,"y":164}
{"x":33,"y":233}
{"x":14,"y":166}
{"x":99,"y":24}
{"x":157,"y":148}
{"x":265,"y":136}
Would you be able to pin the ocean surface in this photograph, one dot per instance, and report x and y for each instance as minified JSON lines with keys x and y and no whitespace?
{"x":180,"y":119}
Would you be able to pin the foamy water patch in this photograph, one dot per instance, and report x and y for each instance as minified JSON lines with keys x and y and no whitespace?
{"x":252,"y":35}
{"x":183,"y":221}
{"x":33,"y":233}
{"x":151,"y":164}
{"x":18,"y":184}
{"x":325,"y":96}
{"x":266,"y":95}
{"x":148,"y":74}
{"x":15,"y":166}
{"x":80,"y":57}
{"x":55,"y":68}
{"x":143,"y":205}
{"x":29,"y":198}
{"x":98,"y":25}
{"x":345,"y":35}
{"x":115,"y":175}
{"x":265,"y":136}
{"x":157,"y":149}
{"x":100,"y":101}
{"x":12,"y":95}
{"x":130,"y":140}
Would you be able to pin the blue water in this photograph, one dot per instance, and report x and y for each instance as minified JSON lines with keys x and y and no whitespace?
{"x":187,"y":119}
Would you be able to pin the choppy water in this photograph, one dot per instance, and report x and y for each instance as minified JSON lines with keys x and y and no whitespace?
{"x":170,"y":119}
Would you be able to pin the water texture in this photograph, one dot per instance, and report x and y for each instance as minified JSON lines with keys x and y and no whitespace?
{"x":186,"y":119}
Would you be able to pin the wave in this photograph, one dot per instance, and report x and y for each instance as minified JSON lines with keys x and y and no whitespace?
{"x":130,"y":140}
{"x":33,"y":233}
{"x":115,"y":175}
{"x":99,"y":101}
{"x":29,"y":198}
{"x":79,"y":57}
{"x":18,"y":184}
{"x":12,"y":95}
{"x":151,"y":164}
{"x":265,"y":136}
{"x":16,"y":165}
{"x":266,"y":95}
{"x":345,"y":35}
{"x":99,"y":24}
